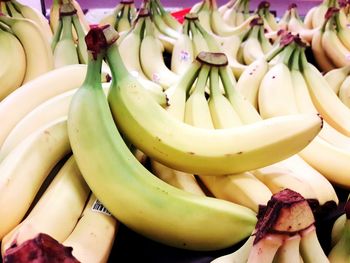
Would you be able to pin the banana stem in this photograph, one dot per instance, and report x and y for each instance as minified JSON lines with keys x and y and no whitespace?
{"x":66,"y":27}
{"x":294,"y":65}
{"x":149,"y":28}
{"x":287,"y":53}
{"x":93,"y":74}
{"x":214,"y":82}
{"x":227,"y":83}
{"x":211,"y":42}
{"x":187,"y":79}
{"x":202,"y":79}
{"x":303,"y":63}
{"x":57,"y":35}
{"x":115,"y":62}
{"x":185,"y":27}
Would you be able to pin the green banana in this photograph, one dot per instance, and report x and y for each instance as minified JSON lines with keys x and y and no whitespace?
{"x":129,"y":191}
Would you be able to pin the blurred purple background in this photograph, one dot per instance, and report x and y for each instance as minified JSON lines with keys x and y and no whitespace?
{"x":277,"y":5}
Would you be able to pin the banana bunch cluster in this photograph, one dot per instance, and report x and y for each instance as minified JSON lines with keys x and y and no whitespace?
{"x":285,"y":232}
{"x":25,"y":53}
{"x":66,"y":49}
{"x":55,"y":15}
{"x":331,"y":43}
{"x":142,"y":52}
{"x":234,"y":12}
{"x":121,"y":17}
{"x":341,"y":237}
{"x":315,"y":16}
{"x":34,"y":158}
{"x":339,"y":80}
{"x":270,"y":23}
{"x":298,"y":86}
{"x":292,"y":22}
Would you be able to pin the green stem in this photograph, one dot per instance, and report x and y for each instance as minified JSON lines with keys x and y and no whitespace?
{"x":227,"y":83}
{"x":202,"y":79}
{"x":187,"y":79}
{"x":287,"y":53}
{"x":214,"y":82}
{"x":115,"y":62}
{"x":57,"y":35}
{"x":66,"y":27}
{"x":185,"y":27}
{"x":294,"y":65}
{"x":303,"y":63}
{"x":93,"y":74}
{"x":149,"y":28}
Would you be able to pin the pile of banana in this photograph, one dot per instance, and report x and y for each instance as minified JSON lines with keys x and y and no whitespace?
{"x":221,"y":121}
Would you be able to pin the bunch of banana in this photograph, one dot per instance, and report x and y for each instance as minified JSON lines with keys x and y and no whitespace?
{"x":153,"y":207}
{"x":55,"y":15}
{"x":270,"y":23}
{"x":32,"y":55}
{"x":339,"y":80}
{"x":295,"y":24}
{"x":315,"y":16}
{"x":341,"y":237}
{"x":122,"y":16}
{"x":255,"y":45}
{"x":285,"y":232}
{"x":64,"y":47}
{"x":16,"y":9}
{"x":236,"y":13}
{"x":298,"y":87}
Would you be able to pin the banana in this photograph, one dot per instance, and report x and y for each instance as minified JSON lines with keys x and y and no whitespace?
{"x":308,"y":17}
{"x":275,"y":95}
{"x":318,"y":16}
{"x":340,"y":251}
{"x":54,"y":15}
{"x":123,"y":22}
{"x":183,"y":53}
{"x":289,"y":251}
{"x":65,"y":52}
{"x":319,"y":53}
{"x":278,"y":177}
{"x":151,"y":59}
{"x":344,"y":92}
{"x":249,"y":82}
{"x":93,"y":236}
{"x":190,"y":158}
{"x":337,"y":229}
{"x":12,"y":11}
{"x":34,"y":15}
{"x":252,"y":49}
{"x":36,"y":92}
{"x":81,"y":45}
{"x":336,"y":77}
{"x":198,"y":41}
{"x":13,"y":63}
{"x":204,"y":15}
{"x":155,"y":204}
{"x":326,"y":101}
{"x":81,"y":15}
{"x":223,"y":8}
{"x":39,"y":58}
{"x":333,"y":47}
{"x":50,"y":110}
{"x":25,"y":168}
{"x":168,"y":18}
{"x":310,"y":248}
{"x":266,"y":46}
{"x":57,"y":211}
{"x":181,"y":180}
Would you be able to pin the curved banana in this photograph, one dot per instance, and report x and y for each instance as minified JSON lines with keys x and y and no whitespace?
{"x":25,"y":169}
{"x":337,"y":229}
{"x":319,"y":53}
{"x":250,"y":79}
{"x":252,"y":49}
{"x":39,"y":57}
{"x":51,"y":214}
{"x":36,"y":92}
{"x":13,"y":63}
{"x":65,"y":52}
{"x":168,"y":18}
{"x":34,"y":15}
{"x":310,"y":248}
{"x":318,"y":16}
{"x":309,"y":17}
{"x":152,"y":61}
{"x":336,"y":77}
{"x":344,"y":92}
{"x":326,"y":101}
{"x":93,"y":236}
{"x":190,"y":158}
{"x":126,"y":180}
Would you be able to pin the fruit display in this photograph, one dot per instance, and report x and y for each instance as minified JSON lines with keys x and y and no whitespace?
{"x":219,"y":136}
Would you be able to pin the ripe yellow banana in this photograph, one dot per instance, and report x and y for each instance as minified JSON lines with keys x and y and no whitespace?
{"x":24,"y":170}
{"x":57,"y":211}
{"x":13,"y":63}
{"x":39,"y":57}
{"x":155,"y":204}
{"x":36,"y":16}
{"x":190,"y":158}
{"x":336,"y":77}
{"x":344,"y":92}
{"x":151,"y":58}
{"x":93,"y":236}
{"x":36,"y":92}
{"x":323,"y":61}
{"x":252,"y":49}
